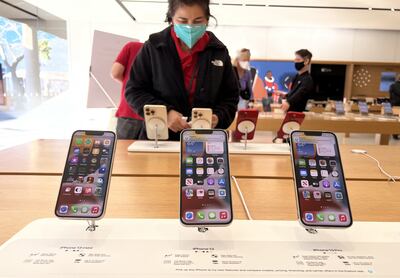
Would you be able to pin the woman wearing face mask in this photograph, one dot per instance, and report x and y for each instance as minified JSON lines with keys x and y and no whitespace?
{"x":302,"y":85}
{"x":184,"y":67}
{"x":241,"y":65}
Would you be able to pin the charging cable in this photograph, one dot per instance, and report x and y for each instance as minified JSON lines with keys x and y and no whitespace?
{"x":242,"y":198}
{"x":364,"y":152}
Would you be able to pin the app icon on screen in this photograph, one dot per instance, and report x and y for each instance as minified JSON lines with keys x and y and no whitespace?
{"x":339,"y":195}
{"x":199,"y":171}
{"x":189,"y":160}
{"x":317,"y":195}
{"x":306,"y":194}
{"x":201,"y":215}
{"x":326,"y":184}
{"x":342,"y":217}
{"x":212,"y":215}
{"x":223,"y":215}
{"x":322,"y":163}
{"x":335,"y":173}
{"x":309,"y":217}
{"x":221,"y":171}
{"x":221,"y":192}
{"x":78,"y":189}
{"x":77,"y":150}
{"x":107,"y":142}
{"x":324,"y":173}
{"x":331,"y":217}
{"x":199,"y":160}
{"x":312,"y":162}
{"x":189,"y":171}
{"x":189,"y":181}
{"x":211,"y":193}
{"x":210,"y":171}
{"x":320,"y":217}
{"x":313,"y":173}
{"x":95,"y":151}
{"x":78,"y":141}
{"x":328,"y":195}
{"x":74,"y":209}
{"x":304,"y":183}
{"x":189,"y":215}
{"x":220,"y":160}
{"x":95,"y":209}
{"x":303,"y":172}
{"x":210,"y":181}
{"x":200,"y":192}
{"x":221,"y":182}
{"x":336,"y":184}
{"x":189,"y":193}
{"x":84,"y":209}
{"x":210,"y":160}
{"x":88,"y":141}
{"x":105,"y":151}
{"x":102,"y":170}
{"x":302,"y":162}
{"x":63,"y":209}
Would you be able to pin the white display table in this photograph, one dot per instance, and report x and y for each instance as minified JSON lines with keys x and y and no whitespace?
{"x":234,"y":148}
{"x":164,"y":248}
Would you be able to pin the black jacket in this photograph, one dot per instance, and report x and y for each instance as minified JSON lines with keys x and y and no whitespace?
{"x":301,"y":91}
{"x":395,"y":93}
{"x":157,"y":78}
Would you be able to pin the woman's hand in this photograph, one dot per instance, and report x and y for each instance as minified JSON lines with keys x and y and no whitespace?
{"x":175,"y":121}
{"x":214,"y":121}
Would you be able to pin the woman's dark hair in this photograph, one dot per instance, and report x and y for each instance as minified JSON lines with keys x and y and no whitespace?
{"x":173,"y":5}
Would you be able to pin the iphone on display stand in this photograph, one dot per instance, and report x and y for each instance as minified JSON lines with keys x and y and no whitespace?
{"x":339,"y":108}
{"x":86,"y":178}
{"x":201,"y":118}
{"x":320,"y":186}
{"x":246,"y":123}
{"x":205,"y":188}
{"x":155,"y":117}
{"x":387,"y":109}
{"x":363,"y":108}
{"x":291,"y":122}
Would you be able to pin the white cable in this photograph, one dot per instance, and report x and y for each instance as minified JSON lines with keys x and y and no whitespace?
{"x":242,"y":198}
{"x":363,"y":152}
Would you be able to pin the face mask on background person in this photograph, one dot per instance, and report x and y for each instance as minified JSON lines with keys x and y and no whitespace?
{"x":190,"y":33}
{"x":299,"y":65}
{"x":244,"y":64}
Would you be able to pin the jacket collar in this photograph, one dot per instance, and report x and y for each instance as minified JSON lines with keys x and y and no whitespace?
{"x":162,"y":38}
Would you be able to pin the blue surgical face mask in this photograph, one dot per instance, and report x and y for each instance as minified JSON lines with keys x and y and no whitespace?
{"x":190,"y":33}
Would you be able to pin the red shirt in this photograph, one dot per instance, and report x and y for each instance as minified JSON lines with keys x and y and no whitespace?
{"x":189,"y":62}
{"x":126,"y":58}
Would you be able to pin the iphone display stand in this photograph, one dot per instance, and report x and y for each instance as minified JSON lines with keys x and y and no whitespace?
{"x":246,"y":127}
{"x":202,"y":229}
{"x":91,"y":226}
{"x":312,"y":231}
{"x":157,"y":125}
{"x":201,"y":124}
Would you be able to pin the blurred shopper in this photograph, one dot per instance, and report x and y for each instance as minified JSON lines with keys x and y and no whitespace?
{"x":394,"y":92}
{"x":241,"y":65}
{"x":129,"y":123}
{"x":302,"y":85}
{"x":182,"y":67}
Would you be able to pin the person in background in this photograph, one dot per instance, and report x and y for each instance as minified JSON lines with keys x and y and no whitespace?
{"x":241,"y":65}
{"x":394,"y":93}
{"x":272,"y":91}
{"x":302,"y":85}
{"x":184,"y":67}
{"x":129,"y":123}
